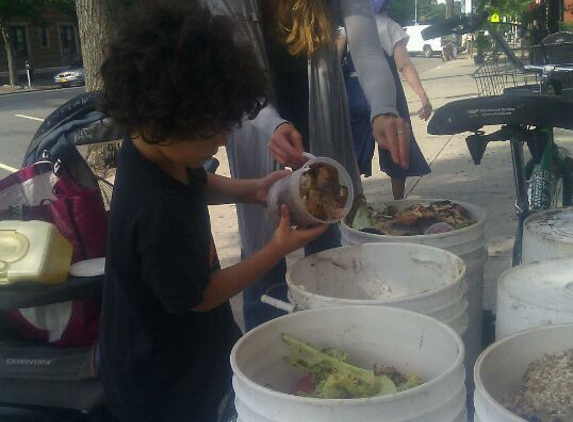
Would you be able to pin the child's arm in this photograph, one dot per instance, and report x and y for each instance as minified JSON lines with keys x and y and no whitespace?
{"x":225,"y":190}
{"x":226,"y":283}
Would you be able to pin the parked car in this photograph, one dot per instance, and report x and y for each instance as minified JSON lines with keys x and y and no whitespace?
{"x":417,"y":45}
{"x":72,"y":75}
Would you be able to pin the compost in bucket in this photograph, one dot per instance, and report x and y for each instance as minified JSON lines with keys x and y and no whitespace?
{"x":423,"y":218}
{"x":329,"y":374}
{"x":319,"y":192}
{"x":546,"y":394}
{"x":322,"y":193}
{"x":410,"y":342}
{"x":527,"y":377}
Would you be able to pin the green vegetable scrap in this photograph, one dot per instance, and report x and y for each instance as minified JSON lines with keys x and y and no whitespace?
{"x":335,"y":378}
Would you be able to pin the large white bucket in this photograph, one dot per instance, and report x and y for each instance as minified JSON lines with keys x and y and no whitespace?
{"x":534,"y":295}
{"x":409,"y":341}
{"x":548,"y":235}
{"x":408,"y":276}
{"x":468,"y":243}
{"x":500,"y":368}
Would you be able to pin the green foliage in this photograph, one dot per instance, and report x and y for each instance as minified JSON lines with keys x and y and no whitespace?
{"x":566,"y":26}
{"x":482,"y":43}
{"x":31,"y":9}
{"x":508,"y":8}
{"x":428,"y":12}
{"x":65,"y":6}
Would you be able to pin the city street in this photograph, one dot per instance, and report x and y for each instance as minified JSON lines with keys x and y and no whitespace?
{"x":20,"y":116}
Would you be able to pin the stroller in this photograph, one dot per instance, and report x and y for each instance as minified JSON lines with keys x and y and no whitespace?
{"x":38,"y":398}
{"x":72,"y":127}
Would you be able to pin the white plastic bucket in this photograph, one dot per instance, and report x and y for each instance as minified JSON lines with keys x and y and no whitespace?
{"x":500,"y":368}
{"x":409,"y":341}
{"x":414,"y":277}
{"x":534,"y":295}
{"x":287,"y":191}
{"x":548,"y":235}
{"x":468,"y":243}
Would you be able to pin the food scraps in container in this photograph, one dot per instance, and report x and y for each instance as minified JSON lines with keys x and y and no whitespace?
{"x":547,"y":391}
{"x":419,"y":219}
{"x":329,"y":375}
{"x":321,"y":192}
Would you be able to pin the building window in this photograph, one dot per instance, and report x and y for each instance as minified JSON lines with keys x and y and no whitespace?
{"x":68,"y":40}
{"x":44,"y":37}
{"x":19,"y":41}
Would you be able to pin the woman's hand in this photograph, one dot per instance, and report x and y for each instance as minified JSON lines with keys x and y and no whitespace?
{"x":393,"y":134}
{"x":287,"y":239}
{"x":426,"y":111}
{"x":265,"y":183}
{"x":286,"y":146}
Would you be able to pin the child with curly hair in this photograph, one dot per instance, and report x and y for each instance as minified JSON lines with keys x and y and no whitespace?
{"x":176,"y":83}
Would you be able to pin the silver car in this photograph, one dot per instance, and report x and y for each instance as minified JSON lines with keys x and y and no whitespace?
{"x":73,"y":75}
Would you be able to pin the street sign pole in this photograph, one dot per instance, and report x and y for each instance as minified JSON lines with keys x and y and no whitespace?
{"x":415,"y":11}
{"x":28,"y":74}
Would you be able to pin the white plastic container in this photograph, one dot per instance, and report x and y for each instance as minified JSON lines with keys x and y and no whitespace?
{"x":468,"y":243}
{"x":409,"y":341}
{"x":548,"y":235}
{"x":415,"y":277}
{"x":287,"y":191}
{"x":534,"y":295}
{"x":33,"y":251}
{"x":500,"y":368}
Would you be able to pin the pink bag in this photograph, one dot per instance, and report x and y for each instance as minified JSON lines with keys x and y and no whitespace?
{"x":44,"y":191}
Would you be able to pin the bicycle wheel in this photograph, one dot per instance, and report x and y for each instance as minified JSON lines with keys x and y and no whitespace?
{"x":551,"y":189}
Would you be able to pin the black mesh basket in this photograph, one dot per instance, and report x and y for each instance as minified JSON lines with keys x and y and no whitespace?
{"x":497,"y":74}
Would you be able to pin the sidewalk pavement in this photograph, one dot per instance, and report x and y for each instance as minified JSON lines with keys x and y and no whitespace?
{"x":454,"y":176}
{"x":39,"y":83}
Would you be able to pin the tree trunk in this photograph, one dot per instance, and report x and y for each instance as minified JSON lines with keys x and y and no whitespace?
{"x":9,"y":48}
{"x":97,"y":22}
{"x":449,"y":9}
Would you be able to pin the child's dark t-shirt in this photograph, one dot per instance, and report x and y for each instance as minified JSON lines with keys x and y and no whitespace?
{"x":160,"y":360}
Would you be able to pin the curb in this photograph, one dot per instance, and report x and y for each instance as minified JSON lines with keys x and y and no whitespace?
{"x":20,"y":91}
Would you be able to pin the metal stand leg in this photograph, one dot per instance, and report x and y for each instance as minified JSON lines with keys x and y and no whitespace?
{"x":521,"y":197}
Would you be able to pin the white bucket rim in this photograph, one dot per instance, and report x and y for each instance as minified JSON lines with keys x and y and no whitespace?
{"x":370,"y":302}
{"x":483,"y":355}
{"x":458,"y":361}
{"x":480,"y":221}
{"x":521,"y":299}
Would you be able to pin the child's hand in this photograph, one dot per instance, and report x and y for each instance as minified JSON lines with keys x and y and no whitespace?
{"x":265,"y":183}
{"x":286,"y":239}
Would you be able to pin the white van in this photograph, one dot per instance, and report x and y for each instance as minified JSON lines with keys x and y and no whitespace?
{"x":416,"y":44}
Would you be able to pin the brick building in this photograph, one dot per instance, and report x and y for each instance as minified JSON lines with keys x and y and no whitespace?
{"x":568,"y":9}
{"x":47,"y":48}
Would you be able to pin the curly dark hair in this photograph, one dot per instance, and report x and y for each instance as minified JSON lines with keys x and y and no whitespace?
{"x":174,"y":71}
